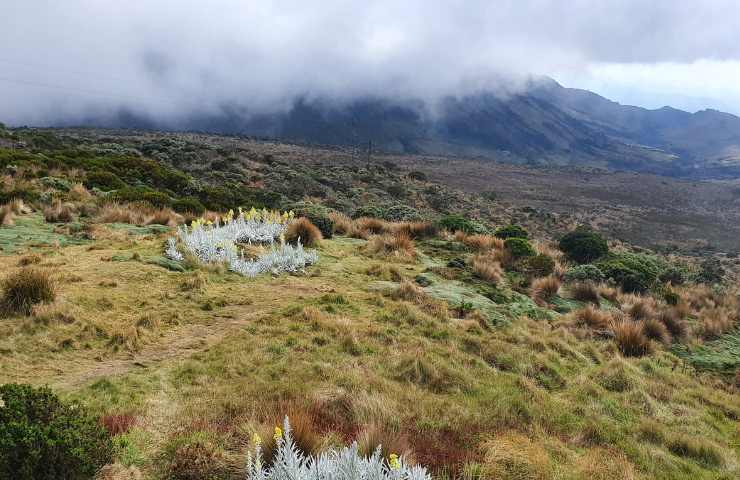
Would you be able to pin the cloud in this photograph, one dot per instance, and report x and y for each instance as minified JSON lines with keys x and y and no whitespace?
{"x":167,"y":59}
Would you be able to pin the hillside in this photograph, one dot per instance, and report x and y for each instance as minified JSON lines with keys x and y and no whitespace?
{"x":413,"y":327}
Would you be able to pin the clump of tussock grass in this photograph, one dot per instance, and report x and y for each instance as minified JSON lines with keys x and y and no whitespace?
{"x":304,"y":231}
{"x":78,"y":193}
{"x":715,"y":321}
{"x":674,"y":322}
{"x":414,"y":230}
{"x":385,"y":272}
{"x":641,"y":308}
{"x":695,"y":448}
{"x":434,"y":376}
{"x":30,"y":259}
{"x":118,"y":213}
{"x":545,"y":288}
{"x":366,"y":226}
{"x":512,"y":455}
{"x":7,"y":216}
{"x":162,"y":216}
{"x":343,"y":225}
{"x":196,"y":282}
{"x":488,"y":268}
{"x":59,"y":212}
{"x":411,"y":292}
{"x":630,"y":338}
{"x":592,"y":317}
{"x":390,"y":442}
{"x":482,"y":242}
{"x":25,"y":288}
{"x":397,"y":245}
{"x":585,"y":292}
{"x":656,"y":330}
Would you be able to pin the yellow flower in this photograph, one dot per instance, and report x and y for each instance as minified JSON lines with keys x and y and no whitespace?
{"x":393,"y":461}
{"x":256,"y":439}
{"x":278,"y":433}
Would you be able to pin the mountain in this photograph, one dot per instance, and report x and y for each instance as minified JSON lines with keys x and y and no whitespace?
{"x":543,"y":124}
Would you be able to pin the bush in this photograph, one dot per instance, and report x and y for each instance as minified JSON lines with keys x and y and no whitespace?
{"x":583,"y":245}
{"x":316,"y":214}
{"x":402,"y":213}
{"x":105,"y":181}
{"x":42,"y":438}
{"x":370,"y":211}
{"x":634,"y":272}
{"x":584,"y":273}
{"x":302,"y":229}
{"x":142,"y":194}
{"x":519,"y":247}
{"x":25,"y":288}
{"x":188,"y":205}
{"x":456,"y":223}
{"x":538,"y":266}
{"x":511,"y":231}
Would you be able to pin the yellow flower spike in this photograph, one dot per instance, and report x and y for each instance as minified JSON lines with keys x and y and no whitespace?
{"x":256,"y":439}
{"x":278,"y":433}
{"x":393,"y":461}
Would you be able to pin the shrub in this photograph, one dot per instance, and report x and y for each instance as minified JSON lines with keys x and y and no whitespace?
{"x":630,"y":338}
{"x":456,"y":223}
{"x":674,"y":275}
{"x":317,"y":214}
{"x":25,"y":288}
{"x":402,"y":213}
{"x":371,"y":211}
{"x":188,"y":205}
{"x":584,"y":273}
{"x":538,"y":266}
{"x":43,"y":438}
{"x":511,"y":231}
{"x":142,"y":194}
{"x":302,"y":229}
{"x":105,"y":181}
{"x":634,"y":272}
{"x":519,"y":248}
{"x":583,"y":245}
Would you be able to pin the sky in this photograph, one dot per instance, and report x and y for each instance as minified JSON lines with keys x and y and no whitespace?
{"x":167,"y":59}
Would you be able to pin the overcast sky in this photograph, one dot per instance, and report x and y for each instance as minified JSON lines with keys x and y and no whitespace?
{"x":169,"y":58}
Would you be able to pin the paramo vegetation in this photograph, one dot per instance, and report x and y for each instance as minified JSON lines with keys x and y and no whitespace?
{"x":181,"y":299}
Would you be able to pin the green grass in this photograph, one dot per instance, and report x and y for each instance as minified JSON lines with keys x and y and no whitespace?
{"x":32,"y":232}
{"x":721,"y":355}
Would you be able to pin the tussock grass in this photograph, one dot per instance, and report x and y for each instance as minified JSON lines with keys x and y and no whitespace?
{"x":411,"y":292}
{"x":385,"y":272}
{"x":592,"y":317}
{"x":483,"y":242}
{"x":656,"y":330}
{"x":23,"y":289}
{"x":302,"y":229}
{"x":397,"y":245}
{"x":630,"y":338}
{"x":715,"y":322}
{"x":366,"y":226}
{"x":343,"y":225}
{"x":695,"y":448}
{"x":545,"y":288}
{"x":488,"y":268}
{"x":585,"y":292}
{"x":7,"y":216}
{"x":674,"y":321}
{"x":59,"y":212}
{"x":373,"y":436}
{"x":78,"y":193}
{"x":514,"y":456}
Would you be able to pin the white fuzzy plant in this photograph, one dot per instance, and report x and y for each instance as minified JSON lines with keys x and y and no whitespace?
{"x":216,"y":243}
{"x":345,"y":464}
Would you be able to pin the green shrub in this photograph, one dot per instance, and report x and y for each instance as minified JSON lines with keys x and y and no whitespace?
{"x":519,"y":247}
{"x":57,"y":183}
{"x":371,"y":211}
{"x":634,"y":272}
{"x":25,"y":194}
{"x":711,"y":271}
{"x":43,"y":438}
{"x":583,"y":245}
{"x":401,"y":213}
{"x":142,"y":194}
{"x":232,"y":196}
{"x":188,"y":205}
{"x":511,"y":231}
{"x":105,"y":181}
{"x":316,"y":214}
{"x":673,"y":274}
{"x":537,"y":266}
{"x":454,"y":223}
{"x":584,"y":273}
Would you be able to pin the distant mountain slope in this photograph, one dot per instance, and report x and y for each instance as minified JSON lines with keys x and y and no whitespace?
{"x":546,"y":124}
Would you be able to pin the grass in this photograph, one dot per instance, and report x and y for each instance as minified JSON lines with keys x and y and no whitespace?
{"x":304,"y":231}
{"x":23,"y":289}
{"x":525,"y":398}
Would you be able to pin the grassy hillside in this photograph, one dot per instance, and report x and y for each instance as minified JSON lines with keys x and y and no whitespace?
{"x":440,"y":345}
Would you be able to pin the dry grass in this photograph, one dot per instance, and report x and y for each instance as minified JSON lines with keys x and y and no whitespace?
{"x":30,"y":259}
{"x":7,"y":215}
{"x":592,"y":317}
{"x":118,"y":213}
{"x":545,"y":288}
{"x":163,"y":216}
{"x":59,"y":212}
{"x":488,"y":268}
{"x":483,"y":242}
{"x":414,"y":230}
{"x":610,"y":293}
{"x":385,"y":272}
{"x":304,"y":231}
{"x":673,"y":319}
{"x":398,"y":245}
{"x":343,"y":225}
{"x":715,"y":322}
{"x":118,"y":423}
{"x":366,"y":226}
{"x":514,"y":456}
{"x":117,"y":471}
{"x":656,"y":330}
{"x":585,"y":292}
{"x":641,"y":308}
{"x":78,"y":193}
{"x":630,"y":338}
{"x":25,"y":288}
{"x":411,"y":292}
{"x":373,"y":436}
